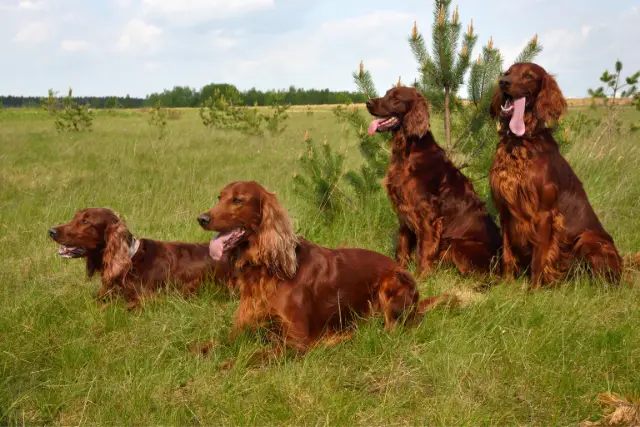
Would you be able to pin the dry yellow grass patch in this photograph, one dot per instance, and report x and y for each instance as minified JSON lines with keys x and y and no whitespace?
{"x":617,"y":411}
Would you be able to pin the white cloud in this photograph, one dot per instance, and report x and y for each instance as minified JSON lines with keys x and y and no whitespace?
{"x":122,"y":4}
{"x":508,"y":49}
{"x":307,"y":44}
{"x":370,"y":21}
{"x":74,"y":45}
{"x":33,"y":33}
{"x":27,"y":4}
{"x":560,"y":47}
{"x":137,"y":35}
{"x":193,"y":11}
{"x":151,"y":66}
{"x":578,"y":57}
{"x":222,"y":42}
{"x":556,"y":45}
{"x":301,"y":58}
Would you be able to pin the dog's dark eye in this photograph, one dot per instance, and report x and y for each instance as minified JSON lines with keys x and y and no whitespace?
{"x":219,"y":198}
{"x":236,"y":201}
{"x":528,"y":76}
{"x":85,"y":222}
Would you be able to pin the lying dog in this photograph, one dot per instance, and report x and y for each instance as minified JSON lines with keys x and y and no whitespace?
{"x":134,"y":267}
{"x":309,"y":292}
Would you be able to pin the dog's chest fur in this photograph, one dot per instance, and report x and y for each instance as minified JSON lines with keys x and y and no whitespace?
{"x":394,"y":180}
{"x":514,"y":191}
{"x":397,"y":181}
{"x":413,"y":179}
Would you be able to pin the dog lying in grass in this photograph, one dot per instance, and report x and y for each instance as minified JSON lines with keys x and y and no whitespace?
{"x":134,"y":267}
{"x":308,"y":293}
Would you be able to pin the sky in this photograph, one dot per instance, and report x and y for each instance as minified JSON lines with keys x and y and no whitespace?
{"x":136,"y":47}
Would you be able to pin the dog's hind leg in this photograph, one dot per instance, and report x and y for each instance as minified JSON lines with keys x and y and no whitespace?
{"x":601,"y":254}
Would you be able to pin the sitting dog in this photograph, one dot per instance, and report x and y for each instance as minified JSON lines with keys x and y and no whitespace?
{"x":546,"y":219}
{"x":439,"y":212}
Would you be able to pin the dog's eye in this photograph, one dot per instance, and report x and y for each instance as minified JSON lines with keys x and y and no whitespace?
{"x":85,"y":222}
{"x":528,"y":76}
{"x":237,"y":201}
{"x":219,"y":198}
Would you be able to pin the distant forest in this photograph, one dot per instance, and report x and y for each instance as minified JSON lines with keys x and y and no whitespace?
{"x":184,"y":96}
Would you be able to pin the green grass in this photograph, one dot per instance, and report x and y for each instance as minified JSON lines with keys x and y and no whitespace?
{"x":510,"y":357}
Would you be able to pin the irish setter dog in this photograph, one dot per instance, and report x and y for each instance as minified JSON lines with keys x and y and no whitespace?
{"x":134,"y":267}
{"x":439,"y":212}
{"x":306,"y":291}
{"x":546,"y":219}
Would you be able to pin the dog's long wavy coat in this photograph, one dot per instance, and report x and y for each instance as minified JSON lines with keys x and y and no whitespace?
{"x":546,"y":219}
{"x":130,"y":267}
{"x":309,"y":292}
{"x":439,"y":212}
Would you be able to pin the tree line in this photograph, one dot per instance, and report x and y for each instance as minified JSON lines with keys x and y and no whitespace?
{"x":185,"y":96}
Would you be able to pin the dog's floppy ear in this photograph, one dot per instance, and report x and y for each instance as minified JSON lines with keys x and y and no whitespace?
{"x":276,"y":239}
{"x":416,"y":121}
{"x":496,"y":102}
{"x":95,"y":259}
{"x":116,"y":261}
{"x":550,"y":104}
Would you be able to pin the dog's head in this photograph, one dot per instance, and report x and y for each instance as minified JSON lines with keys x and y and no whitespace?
{"x":400,"y":108}
{"x":247,"y":212}
{"x":87,"y":231}
{"x":527,"y":98}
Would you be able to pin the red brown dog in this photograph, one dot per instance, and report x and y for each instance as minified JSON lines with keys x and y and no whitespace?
{"x":308,"y":291}
{"x":134,"y":267}
{"x":439,"y":212}
{"x":546,"y":219}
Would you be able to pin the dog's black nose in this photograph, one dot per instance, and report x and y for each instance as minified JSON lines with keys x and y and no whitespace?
{"x":204,"y":219}
{"x":505,"y":81}
{"x":53,"y":232}
{"x":369,"y":103}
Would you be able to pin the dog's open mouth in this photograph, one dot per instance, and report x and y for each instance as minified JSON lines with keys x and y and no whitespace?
{"x":383,"y":124}
{"x":224,"y":241}
{"x":514,"y":108}
{"x":507,"y":107}
{"x":71,"y":251}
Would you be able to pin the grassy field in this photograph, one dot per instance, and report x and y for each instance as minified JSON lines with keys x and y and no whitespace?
{"x":508,"y":358}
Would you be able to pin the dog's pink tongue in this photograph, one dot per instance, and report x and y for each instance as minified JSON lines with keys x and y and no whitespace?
{"x":215,"y":249}
{"x":517,"y":118}
{"x":216,"y":245}
{"x":373,"y":127}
